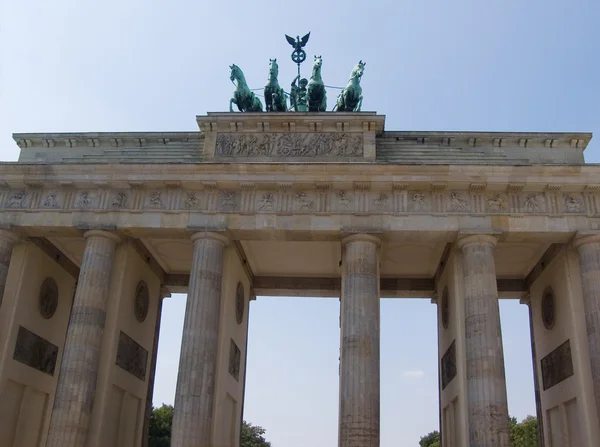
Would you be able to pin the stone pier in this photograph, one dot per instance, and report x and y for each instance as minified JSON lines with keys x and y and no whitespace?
{"x":7,"y":242}
{"x":195,"y":394}
{"x":486,"y":382}
{"x":359,"y":373}
{"x":588,"y":246}
{"x":71,"y":415}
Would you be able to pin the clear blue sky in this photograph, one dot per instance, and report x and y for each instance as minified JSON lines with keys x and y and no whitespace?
{"x":505,"y":65}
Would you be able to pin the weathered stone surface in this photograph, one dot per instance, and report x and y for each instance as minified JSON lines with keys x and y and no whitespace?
{"x":131,"y":356}
{"x":34,"y":351}
{"x":486,"y":383}
{"x":7,"y":242}
{"x":75,"y":392}
{"x":588,"y":246}
{"x":195,"y":394}
{"x":359,"y":369}
{"x":557,"y":366}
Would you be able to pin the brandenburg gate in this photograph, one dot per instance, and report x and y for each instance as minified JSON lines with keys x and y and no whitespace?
{"x":98,"y":228}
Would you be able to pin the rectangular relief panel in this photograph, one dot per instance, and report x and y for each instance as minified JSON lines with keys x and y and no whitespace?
{"x":557,"y":366}
{"x":234,"y":361}
{"x":289,"y":145}
{"x":132,"y":357}
{"x":35,"y":351}
{"x":449,"y":365}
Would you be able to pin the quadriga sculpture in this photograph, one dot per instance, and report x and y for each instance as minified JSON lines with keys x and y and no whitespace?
{"x":317,"y":97}
{"x":245,"y":100}
{"x":350,"y":99}
{"x":274,"y":95}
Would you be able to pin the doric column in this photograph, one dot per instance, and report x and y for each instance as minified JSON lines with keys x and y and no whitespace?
{"x":486,"y":381}
{"x":76,"y":387}
{"x":8,"y":240}
{"x":194,"y":397}
{"x":359,"y":372}
{"x":588,"y":246}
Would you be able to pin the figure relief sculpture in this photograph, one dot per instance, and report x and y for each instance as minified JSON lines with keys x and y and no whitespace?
{"x":304,"y":202}
{"x":17,"y":199}
{"x":274,"y":95}
{"x":245,"y":100}
{"x":573,"y":204}
{"x":298,"y":101}
{"x":120,"y":200}
{"x":419,"y":203}
{"x":317,"y":97}
{"x":343,"y":199}
{"x":155,"y":199}
{"x":84,"y":200}
{"x":457,"y":203}
{"x":532,"y":203}
{"x":496,"y":203}
{"x":51,"y":200}
{"x":266,"y":202}
{"x":228,"y":201}
{"x":381,"y":202}
{"x":350,"y":99}
{"x":192,"y":200}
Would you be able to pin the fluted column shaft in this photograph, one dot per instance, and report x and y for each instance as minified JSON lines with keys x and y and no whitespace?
{"x":195,"y":394}
{"x":8,"y":240}
{"x":486,"y":381}
{"x":588,"y":247}
{"x":359,"y":422}
{"x":76,"y":387}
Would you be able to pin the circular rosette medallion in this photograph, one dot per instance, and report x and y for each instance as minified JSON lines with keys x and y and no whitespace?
{"x":548,"y":308}
{"x":141,"y":301}
{"x":48,"y":298}
{"x":239,"y":303}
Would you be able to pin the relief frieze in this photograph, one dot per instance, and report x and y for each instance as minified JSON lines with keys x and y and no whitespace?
{"x":307,"y":144}
{"x":305,"y":200}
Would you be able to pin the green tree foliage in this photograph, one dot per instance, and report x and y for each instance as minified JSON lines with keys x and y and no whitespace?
{"x":525,"y":433}
{"x":522,"y":434}
{"x":430,"y":440}
{"x":161,"y":420}
{"x":252,"y":436}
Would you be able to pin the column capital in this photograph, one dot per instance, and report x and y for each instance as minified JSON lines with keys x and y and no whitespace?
{"x":9,"y":234}
{"x":361,"y":237}
{"x":478,"y":238}
{"x":210,"y":235}
{"x":164,"y":292}
{"x":585,"y":238}
{"x":526,"y":299}
{"x":102,"y":233}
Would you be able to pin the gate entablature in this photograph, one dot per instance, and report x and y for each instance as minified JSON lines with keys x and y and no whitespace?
{"x":285,"y":137}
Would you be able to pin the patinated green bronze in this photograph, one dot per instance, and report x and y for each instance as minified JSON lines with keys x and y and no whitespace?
{"x":275,"y":100}
{"x":245,"y":100}
{"x":317,"y":96}
{"x":298,"y":101}
{"x":350,"y":99}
